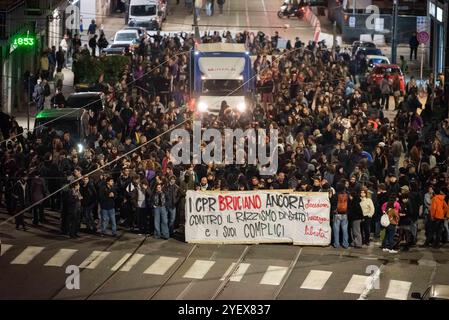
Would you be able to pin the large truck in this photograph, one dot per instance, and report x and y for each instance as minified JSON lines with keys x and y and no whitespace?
{"x":222,"y":72}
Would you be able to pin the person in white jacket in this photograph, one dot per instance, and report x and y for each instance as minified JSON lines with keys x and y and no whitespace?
{"x":368,"y":209}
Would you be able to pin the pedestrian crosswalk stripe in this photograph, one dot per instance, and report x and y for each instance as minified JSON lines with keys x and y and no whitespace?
{"x":228,"y":271}
{"x":132,"y":262}
{"x":357,"y":284}
{"x":316,"y":279}
{"x":4,"y":248}
{"x":121,"y":262}
{"x":161,"y":265}
{"x":199,"y":269}
{"x":60,"y":257}
{"x":27,"y":255}
{"x":398,"y":290}
{"x":274,"y":275}
{"x":239,"y":272}
{"x":94,"y":259}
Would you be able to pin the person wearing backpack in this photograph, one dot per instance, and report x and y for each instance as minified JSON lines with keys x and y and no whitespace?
{"x":340,"y":220}
{"x":438,"y":212}
{"x":392,"y":211}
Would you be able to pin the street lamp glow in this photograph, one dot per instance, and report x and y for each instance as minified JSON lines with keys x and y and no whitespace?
{"x":202,"y":107}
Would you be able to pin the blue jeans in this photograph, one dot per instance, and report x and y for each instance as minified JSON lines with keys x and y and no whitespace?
{"x":161,"y":222}
{"x":171,"y":219}
{"x":389,"y":237}
{"x":340,"y":221}
{"x":106,"y":215}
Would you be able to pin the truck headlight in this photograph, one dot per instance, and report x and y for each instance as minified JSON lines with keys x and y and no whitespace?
{"x":241,"y":107}
{"x":202,"y":107}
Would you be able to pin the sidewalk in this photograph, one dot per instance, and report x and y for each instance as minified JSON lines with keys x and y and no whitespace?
{"x":67,"y":89}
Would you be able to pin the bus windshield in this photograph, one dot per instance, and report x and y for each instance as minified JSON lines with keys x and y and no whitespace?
{"x":143,"y":10}
{"x":222,"y":87}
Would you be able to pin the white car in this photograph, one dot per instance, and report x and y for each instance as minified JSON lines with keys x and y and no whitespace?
{"x":126,"y":36}
{"x":373,"y":60}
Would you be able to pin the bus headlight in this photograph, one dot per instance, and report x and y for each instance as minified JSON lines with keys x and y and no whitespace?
{"x":241,"y":107}
{"x":202,"y":107}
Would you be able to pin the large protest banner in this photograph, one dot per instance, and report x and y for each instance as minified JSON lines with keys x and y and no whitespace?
{"x":266,"y":216}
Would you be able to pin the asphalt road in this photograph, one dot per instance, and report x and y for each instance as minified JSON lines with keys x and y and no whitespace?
{"x":34,"y":264}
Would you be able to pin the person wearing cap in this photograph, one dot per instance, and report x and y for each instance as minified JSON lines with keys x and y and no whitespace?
{"x":173,"y":195}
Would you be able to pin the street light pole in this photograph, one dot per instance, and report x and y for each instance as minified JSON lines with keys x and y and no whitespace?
{"x":394,"y":33}
{"x":195,"y":23}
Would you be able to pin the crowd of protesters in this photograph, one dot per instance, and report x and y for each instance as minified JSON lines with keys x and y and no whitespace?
{"x":333,"y":137}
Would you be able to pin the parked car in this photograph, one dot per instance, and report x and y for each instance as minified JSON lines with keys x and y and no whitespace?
{"x":368,"y":52}
{"x":378,"y":72}
{"x":362,"y":44}
{"x":129,"y":37}
{"x":434,"y":292}
{"x":61,"y":120}
{"x":90,"y":100}
{"x":373,"y":60}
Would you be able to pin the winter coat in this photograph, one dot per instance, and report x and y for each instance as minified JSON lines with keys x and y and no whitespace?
{"x":89,"y":194}
{"x":19,"y":195}
{"x":158,"y":199}
{"x":172,"y":194}
{"x":38,"y":189}
{"x":107,"y":202}
{"x":354,"y":209}
{"x":438,"y":207}
{"x":367,"y":206}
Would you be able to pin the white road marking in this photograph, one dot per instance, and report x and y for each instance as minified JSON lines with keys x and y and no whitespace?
{"x":316,"y":279}
{"x":274,"y":275}
{"x":121,"y":262}
{"x":372,"y":282}
{"x":199,"y":269}
{"x":132,"y":262}
{"x":161,"y":266}
{"x":239,"y":272}
{"x":94,"y":259}
{"x":60,"y":258}
{"x":228,"y":271}
{"x":398,"y":290}
{"x":27,"y":255}
{"x":4,"y":248}
{"x":357,"y":284}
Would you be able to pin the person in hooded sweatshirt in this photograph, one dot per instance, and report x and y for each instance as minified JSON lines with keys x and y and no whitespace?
{"x":355,"y":216}
{"x":438,"y":212}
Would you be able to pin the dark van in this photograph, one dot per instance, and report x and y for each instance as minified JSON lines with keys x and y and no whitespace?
{"x":61,"y":120}
{"x":90,"y":100}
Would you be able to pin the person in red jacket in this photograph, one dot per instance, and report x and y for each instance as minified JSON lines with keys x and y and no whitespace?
{"x":438,"y":212}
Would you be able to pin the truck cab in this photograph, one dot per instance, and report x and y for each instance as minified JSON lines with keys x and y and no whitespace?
{"x":222,"y":72}
{"x":151,"y":12}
